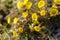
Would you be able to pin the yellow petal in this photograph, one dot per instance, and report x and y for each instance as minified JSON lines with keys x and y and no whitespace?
{"x":54,"y":6}
{"x":8,"y":19}
{"x":25,"y":2}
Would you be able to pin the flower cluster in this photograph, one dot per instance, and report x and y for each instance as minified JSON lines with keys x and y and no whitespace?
{"x":24,"y":19}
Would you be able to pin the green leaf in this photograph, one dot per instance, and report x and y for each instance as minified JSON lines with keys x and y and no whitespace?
{"x":24,"y":37}
{"x":4,"y":24}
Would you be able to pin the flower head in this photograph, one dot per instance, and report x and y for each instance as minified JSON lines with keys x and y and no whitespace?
{"x":20,"y":4}
{"x":42,"y":12}
{"x":15,"y":20}
{"x":37,"y":28}
{"x":53,"y":12}
{"x":57,"y":2}
{"x":20,"y":29}
{"x":25,"y":14}
{"x":34,"y":17}
{"x":28,"y":5}
{"x":41,"y":4}
{"x":15,"y":34}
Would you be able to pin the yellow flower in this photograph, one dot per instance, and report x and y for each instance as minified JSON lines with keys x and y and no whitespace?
{"x":34,"y":17}
{"x":53,"y":12}
{"x":28,"y":5}
{"x":20,"y":29}
{"x":37,"y":28}
{"x":54,"y":6}
{"x":25,"y":14}
{"x":20,"y":5}
{"x":42,"y":12}
{"x":31,"y":29}
{"x":8,"y":19}
{"x":35,"y":22}
{"x":57,"y":2}
{"x":15,"y":34}
{"x":25,"y":2}
{"x":15,"y":20}
{"x":41,"y":4}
